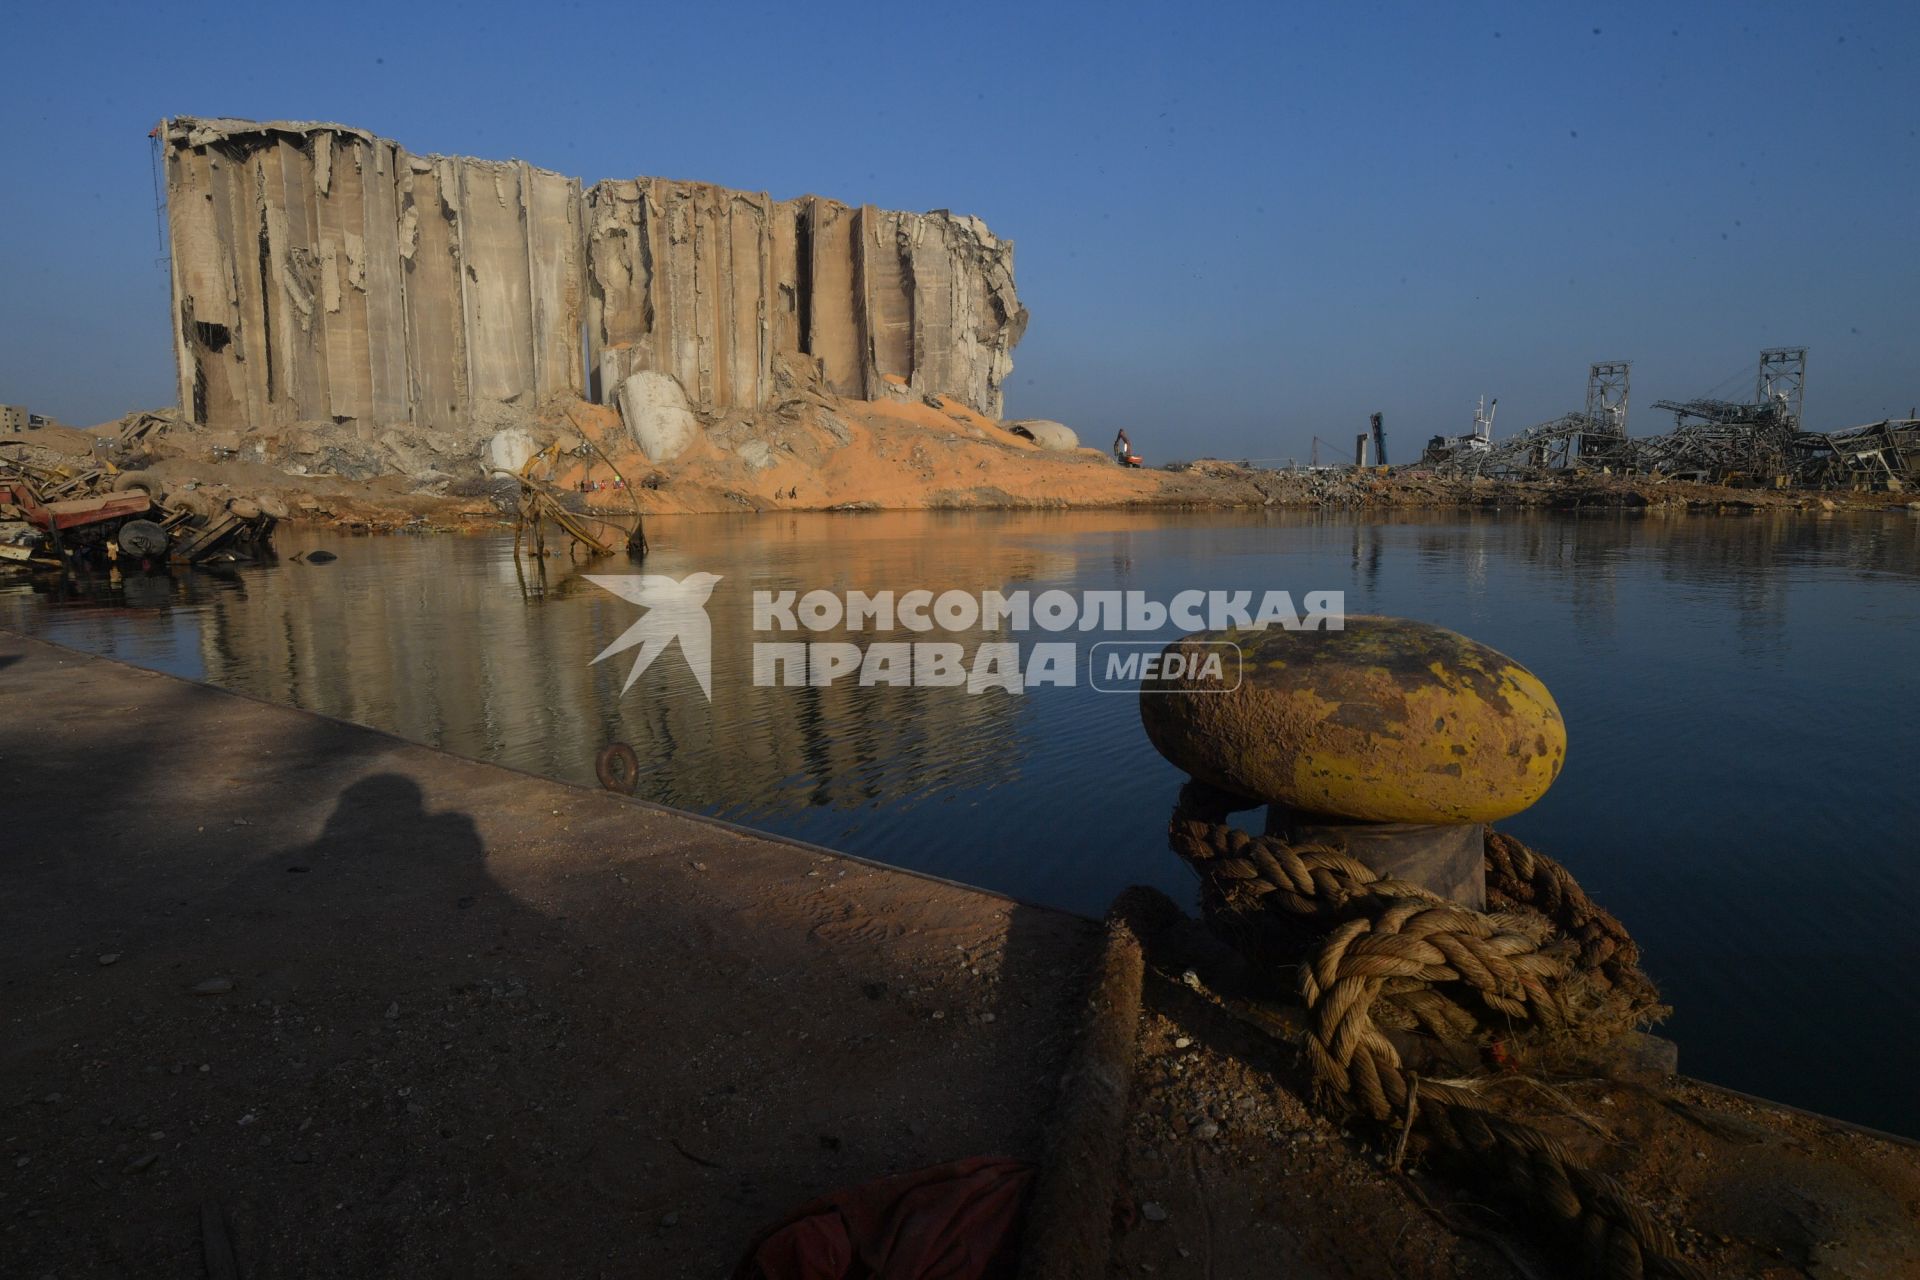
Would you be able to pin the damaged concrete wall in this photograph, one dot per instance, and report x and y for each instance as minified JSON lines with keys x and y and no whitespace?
{"x":711,"y":285}
{"x":322,"y":273}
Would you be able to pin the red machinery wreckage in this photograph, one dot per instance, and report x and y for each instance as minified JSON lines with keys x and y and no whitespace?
{"x":95,"y":515}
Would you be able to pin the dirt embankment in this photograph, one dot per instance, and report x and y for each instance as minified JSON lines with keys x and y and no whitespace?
{"x":812,"y":452}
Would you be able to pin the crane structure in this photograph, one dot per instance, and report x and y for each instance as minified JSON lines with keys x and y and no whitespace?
{"x":1333,"y":450}
{"x":1733,"y":440}
{"x":1718,"y":441}
{"x":1594,"y":436}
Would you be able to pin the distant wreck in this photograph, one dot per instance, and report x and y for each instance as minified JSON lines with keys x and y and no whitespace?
{"x":63,"y":513}
{"x":328,"y":280}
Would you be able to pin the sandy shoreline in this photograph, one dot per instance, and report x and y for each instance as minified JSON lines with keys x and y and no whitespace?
{"x":818,"y":453}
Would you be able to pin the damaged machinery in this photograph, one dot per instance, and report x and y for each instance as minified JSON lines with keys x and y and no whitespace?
{"x":1752,"y":442}
{"x":541,"y":503}
{"x":1595,"y":436}
{"x":1880,"y":455}
{"x":134,"y":525}
{"x":95,"y":515}
{"x":1726,"y":441}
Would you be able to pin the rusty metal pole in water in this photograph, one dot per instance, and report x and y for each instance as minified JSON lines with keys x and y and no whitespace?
{"x":1393,"y":739}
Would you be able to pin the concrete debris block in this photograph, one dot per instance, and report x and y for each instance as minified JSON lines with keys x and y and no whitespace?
{"x":657,"y":413}
{"x":757,"y":454}
{"x":1055,"y":437}
{"x":836,"y":430}
{"x":509,"y":450}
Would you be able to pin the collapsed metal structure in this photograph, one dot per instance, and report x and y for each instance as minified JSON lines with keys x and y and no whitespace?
{"x":1716,"y":441}
{"x":1879,"y":455}
{"x":1592,"y":437}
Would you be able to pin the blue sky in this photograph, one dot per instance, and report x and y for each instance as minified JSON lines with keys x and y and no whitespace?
{"x":1238,"y":227}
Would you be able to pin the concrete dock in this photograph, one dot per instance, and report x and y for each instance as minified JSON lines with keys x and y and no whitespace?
{"x":348,"y":1006}
{"x":379,"y":1010}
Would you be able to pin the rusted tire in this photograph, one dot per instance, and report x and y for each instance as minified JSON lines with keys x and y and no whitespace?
{"x":618,"y":768}
{"x":142,"y":538}
{"x":195,"y":504}
{"x":128,"y":481}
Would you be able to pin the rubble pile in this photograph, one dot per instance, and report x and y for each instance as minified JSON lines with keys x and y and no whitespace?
{"x":75,"y":500}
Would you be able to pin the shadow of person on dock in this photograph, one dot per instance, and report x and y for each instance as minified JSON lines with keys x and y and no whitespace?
{"x":390,"y":806}
{"x":398,"y":1027}
{"x":383,"y":884}
{"x":380,"y":827}
{"x":337,"y":988}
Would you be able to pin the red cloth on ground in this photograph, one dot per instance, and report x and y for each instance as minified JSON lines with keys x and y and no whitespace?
{"x":958,"y":1221}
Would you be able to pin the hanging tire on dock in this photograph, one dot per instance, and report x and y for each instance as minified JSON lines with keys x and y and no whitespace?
{"x":618,"y":768}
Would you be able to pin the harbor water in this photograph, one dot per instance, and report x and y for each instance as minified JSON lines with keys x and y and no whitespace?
{"x":1742,"y":696}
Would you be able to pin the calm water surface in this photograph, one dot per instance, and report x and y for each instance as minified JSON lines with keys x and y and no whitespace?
{"x":1740,"y":695}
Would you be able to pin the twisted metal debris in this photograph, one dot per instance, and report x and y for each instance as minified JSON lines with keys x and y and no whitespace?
{"x":1716,"y":441}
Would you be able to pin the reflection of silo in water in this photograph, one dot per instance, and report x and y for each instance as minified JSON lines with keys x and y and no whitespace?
{"x":840,"y":745}
{"x":433,"y":639}
{"x":419,"y":637}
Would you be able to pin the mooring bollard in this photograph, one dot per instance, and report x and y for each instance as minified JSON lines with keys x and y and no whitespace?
{"x":1395,"y":739}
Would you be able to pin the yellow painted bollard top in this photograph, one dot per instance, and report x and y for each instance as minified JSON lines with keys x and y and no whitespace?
{"x":1388,"y":720}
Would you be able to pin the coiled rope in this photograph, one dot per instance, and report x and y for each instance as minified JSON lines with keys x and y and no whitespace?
{"x":1387,"y":970}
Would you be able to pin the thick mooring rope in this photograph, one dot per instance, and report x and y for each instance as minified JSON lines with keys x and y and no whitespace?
{"x":1385,"y":968}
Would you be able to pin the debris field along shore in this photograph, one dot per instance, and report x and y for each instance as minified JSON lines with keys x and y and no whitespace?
{"x":852,"y":456}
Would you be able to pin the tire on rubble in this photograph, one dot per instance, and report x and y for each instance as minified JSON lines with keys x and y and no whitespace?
{"x":195,"y":504}
{"x":142,"y":538}
{"x":128,"y":481}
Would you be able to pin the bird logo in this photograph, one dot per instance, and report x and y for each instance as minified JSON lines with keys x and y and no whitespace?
{"x":676,"y":609}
